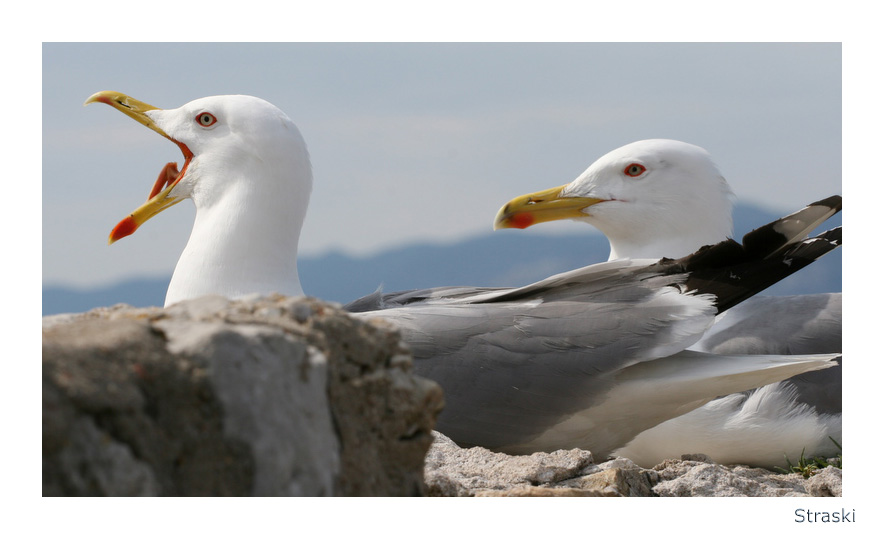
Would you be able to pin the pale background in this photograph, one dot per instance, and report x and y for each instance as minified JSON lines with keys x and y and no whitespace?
{"x":424,"y":142}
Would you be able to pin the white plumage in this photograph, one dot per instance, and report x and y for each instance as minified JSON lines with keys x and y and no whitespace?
{"x":248,"y":174}
{"x":590,"y":357}
{"x":678,"y":203}
{"x":665,"y":198}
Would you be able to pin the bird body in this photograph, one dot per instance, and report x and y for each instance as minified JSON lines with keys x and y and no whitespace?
{"x":762,"y":428}
{"x":590,"y":357}
{"x":595,"y":356}
{"x":801,"y":415}
{"x":663,"y":198}
{"x":807,"y":324}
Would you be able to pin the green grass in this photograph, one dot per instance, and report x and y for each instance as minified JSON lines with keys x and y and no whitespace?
{"x":809,"y":467}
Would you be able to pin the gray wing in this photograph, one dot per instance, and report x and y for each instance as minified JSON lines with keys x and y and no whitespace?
{"x":648,"y":393}
{"x":380,"y":300}
{"x":803,"y":324}
{"x":511,"y":370}
{"x":520,"y":366}
{"x":525,"y":377}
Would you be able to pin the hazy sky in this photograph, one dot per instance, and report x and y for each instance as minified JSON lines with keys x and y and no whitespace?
{"x":450,"y":132}
{"x":424,"y":142}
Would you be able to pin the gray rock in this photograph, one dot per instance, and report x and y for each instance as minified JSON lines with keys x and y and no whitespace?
{"x":826,"y":483}
{"x":699,"y":479}
{"x":270,"y":396}
{"x":472,"y":469}
{"x":454,"y":471}
{"x":615,"y":481}
{"x":536,"y":491}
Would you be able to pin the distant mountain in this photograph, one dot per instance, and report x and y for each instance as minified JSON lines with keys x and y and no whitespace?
{"x":136,"y":292}
{"x":504,"y":258}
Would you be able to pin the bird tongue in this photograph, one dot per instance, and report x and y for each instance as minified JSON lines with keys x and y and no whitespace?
{"x":166,"y":178}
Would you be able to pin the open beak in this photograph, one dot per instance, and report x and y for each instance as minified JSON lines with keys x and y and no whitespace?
{"x":548,"y":205}
{"x":159,"y":198}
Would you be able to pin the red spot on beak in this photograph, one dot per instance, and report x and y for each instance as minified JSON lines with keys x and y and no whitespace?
{"x":522,"y":220}
{"x":123,"y":229}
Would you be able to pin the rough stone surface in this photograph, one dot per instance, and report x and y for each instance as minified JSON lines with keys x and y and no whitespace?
{"x":826,"y":483}
{"x":467,"y":470}
{"x":281,"y":396}
{"x":701,"y":479}
{"x":454,"y":471}
{"x":267,"y":396}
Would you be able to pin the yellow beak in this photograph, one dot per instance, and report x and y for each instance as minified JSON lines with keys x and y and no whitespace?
{"x":541,"y":206}
{"x":129,"y":106}
{"x":159,"y":198}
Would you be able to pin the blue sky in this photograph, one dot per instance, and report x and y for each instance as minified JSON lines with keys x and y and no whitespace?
{"x":424,"y":142}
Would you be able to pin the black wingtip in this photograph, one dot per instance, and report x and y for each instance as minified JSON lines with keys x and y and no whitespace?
{"x":833,"y":201}
{"x":734,"y":272}
{"x":768,"y":239}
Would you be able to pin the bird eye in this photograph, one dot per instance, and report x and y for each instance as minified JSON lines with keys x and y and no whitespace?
{"x":634,"y":169}
{"x":206,"y":119}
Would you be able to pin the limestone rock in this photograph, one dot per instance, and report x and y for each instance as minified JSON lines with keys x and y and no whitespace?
{"x":535,"y":491}
{"x":472,"y":469}
{"x":705,"y":479}
{"x":454,"y":471}
{"x":267,"y":396}
{"x":826,"y":483}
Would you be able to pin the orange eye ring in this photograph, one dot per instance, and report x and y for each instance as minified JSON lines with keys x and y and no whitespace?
{"x":634,"y":170}
{"x":206,"y":119}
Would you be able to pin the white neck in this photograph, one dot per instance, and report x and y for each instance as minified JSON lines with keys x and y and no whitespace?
{"x":653,"y":233}
{"x":664,"y":247}
{"x":245,"y":241}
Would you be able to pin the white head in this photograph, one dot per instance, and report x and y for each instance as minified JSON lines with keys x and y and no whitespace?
{"x":654,"y":198}
{"x":237,"y":140}
{"x":248,"y":172}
